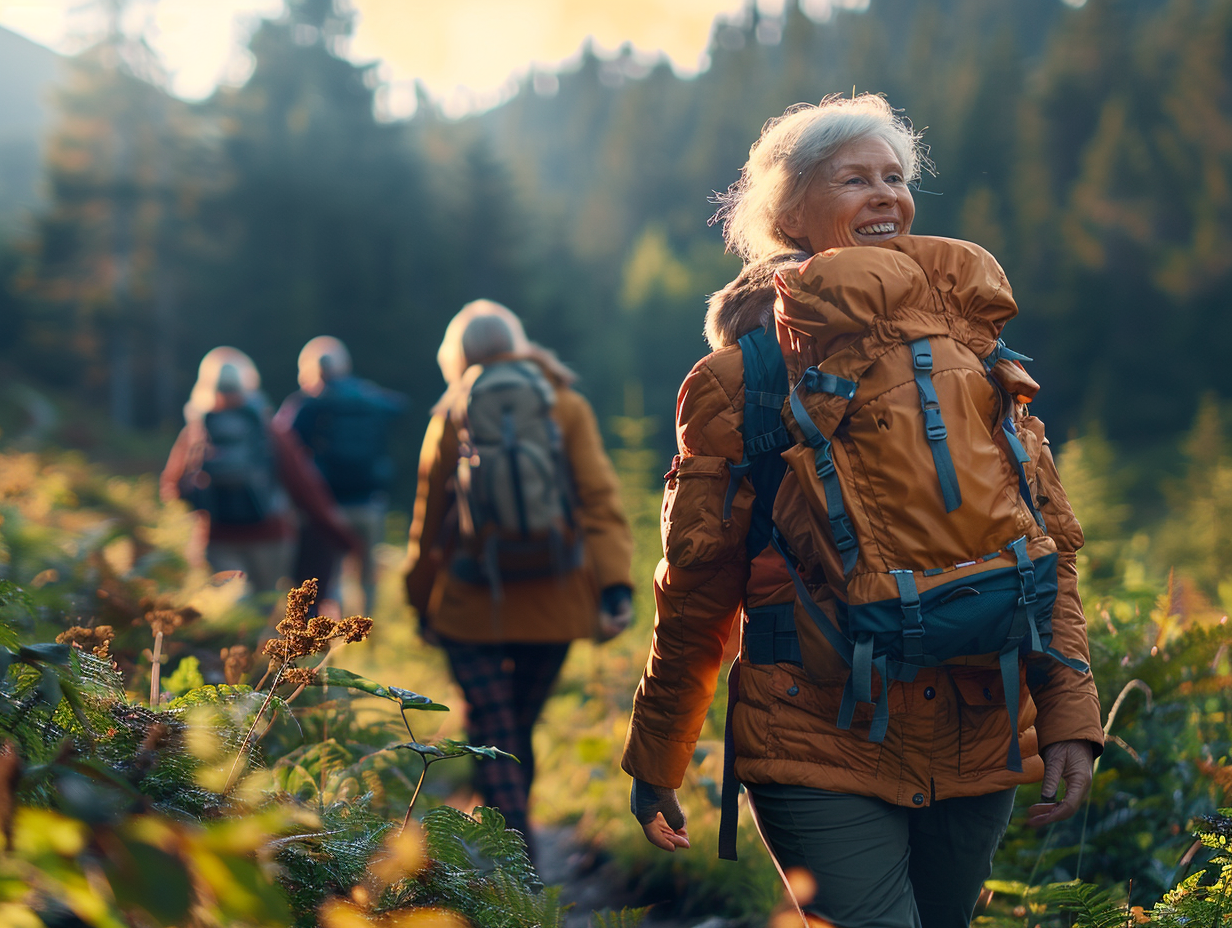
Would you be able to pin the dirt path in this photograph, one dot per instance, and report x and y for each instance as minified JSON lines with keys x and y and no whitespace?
{"x":592,"y":885}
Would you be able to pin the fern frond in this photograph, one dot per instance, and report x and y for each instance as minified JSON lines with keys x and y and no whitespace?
{"x":1092,"y":907}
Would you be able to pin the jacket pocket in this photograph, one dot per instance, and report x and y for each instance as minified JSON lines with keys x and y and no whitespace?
{"x":983,"y":721}
{"x":693,"y":527}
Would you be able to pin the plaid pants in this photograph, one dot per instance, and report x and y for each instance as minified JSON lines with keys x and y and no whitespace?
{"x":505,"y":686}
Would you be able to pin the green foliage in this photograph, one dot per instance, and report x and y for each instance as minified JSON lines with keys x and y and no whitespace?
{"x":332,"y":859}
{"x":337,"y":676}
{"x":1204,"y":898}
{"x":480,"y":869}
{"x":187,"y":676}
{"x":1090,"y":906}
{"x":156,"y":870}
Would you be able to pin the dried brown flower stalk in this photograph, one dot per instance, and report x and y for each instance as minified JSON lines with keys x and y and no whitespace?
{"x":299,"y":676}
{"x":167,"y":619}
{"x":97,"y":640}
{"x":301,"y":635}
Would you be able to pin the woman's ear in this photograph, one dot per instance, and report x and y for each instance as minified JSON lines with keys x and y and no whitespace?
{"x":789,"y":224}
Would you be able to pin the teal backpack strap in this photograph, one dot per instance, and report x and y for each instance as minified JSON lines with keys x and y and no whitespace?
{"x":765,"y":391}
{"x":1002,"y":352}
{"x":1020,"y":460}
{"x":838,"y":641}
{"x":913,"y":624}
{"x":934,"y":425}
{"x":814,"y":381}
{"x":1009,"y":680}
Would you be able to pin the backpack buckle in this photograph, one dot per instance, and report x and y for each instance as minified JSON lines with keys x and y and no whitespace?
{"x":934,"y":425}
{"x":844,"y":534}
{"x":921,"y":356}
{"x":825,"y":467}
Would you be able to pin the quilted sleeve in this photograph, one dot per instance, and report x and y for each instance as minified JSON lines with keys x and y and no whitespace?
{"x":1068,"y":701}
{"x":700,"y":581}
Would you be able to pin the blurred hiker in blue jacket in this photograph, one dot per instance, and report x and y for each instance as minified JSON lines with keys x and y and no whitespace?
{"x":344,"y":422}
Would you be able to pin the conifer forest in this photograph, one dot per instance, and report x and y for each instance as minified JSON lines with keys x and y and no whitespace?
{"x":170,"y":755}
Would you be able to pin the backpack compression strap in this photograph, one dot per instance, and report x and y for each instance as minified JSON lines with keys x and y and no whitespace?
{"x":934,"y":425}
{"x":815,"y":381}
{"x":1020,"y":460}
{"x":1002,"y":352}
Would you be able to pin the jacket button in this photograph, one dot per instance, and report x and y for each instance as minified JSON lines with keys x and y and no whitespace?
{"x":988,"y":694}
{"x":929,"y":692}
{"x":792,"y":691}
{"x":918,"y":799}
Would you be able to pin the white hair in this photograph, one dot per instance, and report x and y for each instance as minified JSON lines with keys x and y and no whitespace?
{"x":221,"y":370}
{"x":485,"y":337}
{"x":321,"y":359}
{"x":784,"y":159}
{"x":452,"y":355}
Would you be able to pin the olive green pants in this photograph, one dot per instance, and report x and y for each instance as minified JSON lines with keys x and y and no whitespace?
{"x":882,"y":866}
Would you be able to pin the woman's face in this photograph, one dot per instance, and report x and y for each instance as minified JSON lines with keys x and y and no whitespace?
{"x":858,"y":197}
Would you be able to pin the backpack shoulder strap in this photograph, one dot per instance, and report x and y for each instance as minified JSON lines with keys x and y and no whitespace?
{"x":765,"y":391}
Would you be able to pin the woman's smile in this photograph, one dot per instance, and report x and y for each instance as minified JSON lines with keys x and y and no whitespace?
{"x":858,"y":197}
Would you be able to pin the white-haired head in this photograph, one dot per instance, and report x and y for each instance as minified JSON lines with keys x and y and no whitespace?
{"x":223,"y":370}
{"x":322,"y":358}
{"x":504,"y":337}
{"x":784,"y":159}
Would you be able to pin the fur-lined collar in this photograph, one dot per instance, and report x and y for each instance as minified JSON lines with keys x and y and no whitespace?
{"x":747,"y":302}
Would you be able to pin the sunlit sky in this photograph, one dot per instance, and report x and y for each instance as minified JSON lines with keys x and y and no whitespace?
{"x":466,"y":52}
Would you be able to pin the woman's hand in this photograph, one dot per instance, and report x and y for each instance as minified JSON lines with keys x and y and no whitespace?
{"x":1072,"y":762}
{"x":662,"y":835}
{"x":658,"y":812}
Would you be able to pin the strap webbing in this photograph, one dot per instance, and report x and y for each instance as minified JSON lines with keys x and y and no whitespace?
{"x":840,"y":525}
{"x":1026,"y":579}
{"x":913,"y":624}
{"x":729,"y":801}
{"x":770,"y":635}
{"x":1024,"y":625}
{"x":862,"y":668}
{"x":1009,"y":680}
{"x":859,"y":688}
{"x":1002,"y":351}
{"x":1020,"y":460}
{"x":765,"y":391}
{"x":838,"y":641}
{"x":881,"y":712}
{"x":819,"y":381}
{"x":735,"y":473}
{"x":934,"y":425}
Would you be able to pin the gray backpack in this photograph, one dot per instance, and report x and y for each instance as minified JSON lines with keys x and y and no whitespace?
{"x":515,"y":492}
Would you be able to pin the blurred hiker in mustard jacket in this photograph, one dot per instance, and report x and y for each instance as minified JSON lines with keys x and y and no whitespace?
{"x":506,"y":630}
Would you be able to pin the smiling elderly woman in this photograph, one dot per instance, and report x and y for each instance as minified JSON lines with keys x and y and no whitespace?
{"x":896,"y":831}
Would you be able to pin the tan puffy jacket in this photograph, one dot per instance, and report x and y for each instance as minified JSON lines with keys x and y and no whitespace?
{"x":552,"y":609}
{"x":949,"y":730}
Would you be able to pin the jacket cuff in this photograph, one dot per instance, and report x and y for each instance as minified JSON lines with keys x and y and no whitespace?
{"x":1069,"y":712}
{"x":655,"y":759}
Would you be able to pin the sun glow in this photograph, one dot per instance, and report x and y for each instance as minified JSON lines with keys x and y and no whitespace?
{"x":468,"y":54}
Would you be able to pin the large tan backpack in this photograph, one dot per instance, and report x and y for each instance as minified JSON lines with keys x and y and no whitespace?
{"x":907,"y":492}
